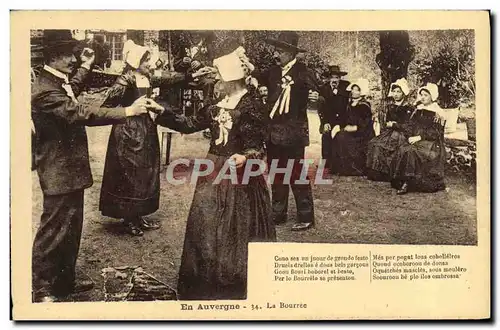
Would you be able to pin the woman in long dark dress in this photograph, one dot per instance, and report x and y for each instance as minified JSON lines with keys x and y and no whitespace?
{"x":350,"y":139}
{"x":225,"y":216}
{"x":131,"y":180}
{"x":418,"y":165}
{"x":382,"y":148}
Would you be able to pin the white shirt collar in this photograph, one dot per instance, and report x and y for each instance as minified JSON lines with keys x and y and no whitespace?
{"x":56,"y":73}
{"x":141,"y":81}
{"x":287,"y":67}
{"x":230,"y":102}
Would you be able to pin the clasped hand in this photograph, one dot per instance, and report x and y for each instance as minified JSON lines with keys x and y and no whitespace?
{"x":237,"y":160}
{"x":143,"y":105}
{"x":390,"y":124}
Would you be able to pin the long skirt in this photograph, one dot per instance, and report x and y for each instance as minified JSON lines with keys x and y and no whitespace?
{"x":421,"y":165}
{"x":380,"y":152}
{"x":131,"y":179}
{"x":223,"y":219}
{"x":348,"y":155}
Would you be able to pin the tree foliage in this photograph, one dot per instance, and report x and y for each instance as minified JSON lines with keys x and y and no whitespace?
{"x":396,"y":53}
{"x":445,"y":57}
{"x":448,"y":62}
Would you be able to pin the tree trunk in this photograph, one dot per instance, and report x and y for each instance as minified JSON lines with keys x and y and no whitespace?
{"x":395,"y":55}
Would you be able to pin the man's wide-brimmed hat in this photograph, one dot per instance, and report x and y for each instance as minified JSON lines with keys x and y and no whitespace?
{"x":286,"y":40}
{"x":54,"y":39}
{"x":335,"y":69}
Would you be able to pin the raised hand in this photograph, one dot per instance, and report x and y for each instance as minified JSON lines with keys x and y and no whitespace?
{"x":87,"y":57}
{"x":202,"y":72}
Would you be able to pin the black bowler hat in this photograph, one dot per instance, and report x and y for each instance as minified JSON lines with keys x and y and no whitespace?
{"x":335,"y":69}
{"x":287,"y":40}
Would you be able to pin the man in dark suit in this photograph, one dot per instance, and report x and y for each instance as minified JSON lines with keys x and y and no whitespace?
{"x":333,"y":109}
{"x":289,"y":85}
{"x":62,"y":159}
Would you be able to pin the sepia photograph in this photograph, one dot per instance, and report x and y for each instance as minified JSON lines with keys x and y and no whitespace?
{"x":160,"y":156}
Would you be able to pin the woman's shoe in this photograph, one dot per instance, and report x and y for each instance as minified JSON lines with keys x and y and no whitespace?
{"x":133,"y":230}
{"x":146,"y":225}
{"x":403,"y":190}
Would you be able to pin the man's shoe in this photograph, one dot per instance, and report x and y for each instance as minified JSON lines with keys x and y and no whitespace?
{"x":302,"y":226}
{"x":45,"y":299}
{"x":403,"y":190}
{"x":83,"y":285}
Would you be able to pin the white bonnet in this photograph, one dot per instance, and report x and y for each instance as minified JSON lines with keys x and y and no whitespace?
{"x":133,"y":53}
{"x":363,"y":85}
{"x":401,"y":83}
{"x":432,"y":89}
{"x":234,"y":66}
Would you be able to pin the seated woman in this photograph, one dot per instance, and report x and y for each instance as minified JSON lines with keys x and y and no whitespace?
{"x":382,"y":148}
{"x":418,"y":165}
{"x":350,"y":139}
{"x":225,"y":215}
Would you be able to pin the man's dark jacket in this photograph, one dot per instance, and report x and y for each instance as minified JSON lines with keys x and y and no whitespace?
{"x":61,"y":148}
{"x":289,"y":129}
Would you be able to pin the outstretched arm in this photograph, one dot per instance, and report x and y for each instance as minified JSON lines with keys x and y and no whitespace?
{"x":60,"y":105}
{"x":185,"y":124}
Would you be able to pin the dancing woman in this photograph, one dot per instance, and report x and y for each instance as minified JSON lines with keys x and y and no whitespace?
{"x":225,"y":215}
{"x":131,"y":180}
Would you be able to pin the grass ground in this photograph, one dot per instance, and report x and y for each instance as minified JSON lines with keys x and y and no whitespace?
{"x":351,"y":210}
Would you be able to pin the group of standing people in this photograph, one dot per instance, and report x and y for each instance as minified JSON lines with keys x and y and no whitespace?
{"x":224,"y":216}
{"x":409,"y":152}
